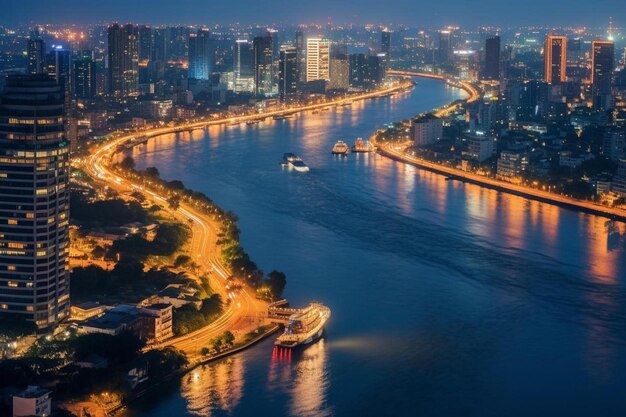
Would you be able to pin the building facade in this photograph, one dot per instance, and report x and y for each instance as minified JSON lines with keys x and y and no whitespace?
{"x":288,"y":72}
{"x":602,"y":63}
{"x":317,"y":59}
{"x":123,"y":60}
{"x":555,"y":59}
{"x":34,"y":201}
{"x":201,"y":55}
{"x":426,"y":129}
{"x":263,"y":69}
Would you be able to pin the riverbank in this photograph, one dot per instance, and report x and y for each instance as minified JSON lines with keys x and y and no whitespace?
{"x":391,"y":151}
{"x":180,"y":373}
{"x":141,"y":136}
{"x":531,"y":193}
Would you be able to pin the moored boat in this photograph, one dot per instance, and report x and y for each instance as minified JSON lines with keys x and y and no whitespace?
{"x":304,"y":327}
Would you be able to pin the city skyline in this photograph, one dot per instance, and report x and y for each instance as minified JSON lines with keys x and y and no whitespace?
{"x":456,"y":12}
{"x":188,"y":192}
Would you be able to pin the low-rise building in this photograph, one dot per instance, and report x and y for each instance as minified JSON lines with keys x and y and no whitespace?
{"x":569,"y":159}
{"x":618,"y":184}
{"x":33,"y":401}
{"x":151,"y":322}
{"x":480,"y":148}
{"x":426,"y":129}
{"x":87,"y":310}
{"x":614,"y":144}
{"x":120,"y":318}
{"x":155,"y":322}
{"x":177,"y":295}
{"x":511,"y":165}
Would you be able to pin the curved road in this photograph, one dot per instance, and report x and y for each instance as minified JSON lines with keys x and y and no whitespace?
{"x":244,"y":312}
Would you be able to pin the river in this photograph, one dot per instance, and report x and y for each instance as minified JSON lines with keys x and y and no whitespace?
{"x":448,"y":299}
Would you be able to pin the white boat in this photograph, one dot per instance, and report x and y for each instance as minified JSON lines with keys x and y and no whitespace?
{"x":304,"y":327}
{"x":341,"y":148}
{"x":294,"y":161}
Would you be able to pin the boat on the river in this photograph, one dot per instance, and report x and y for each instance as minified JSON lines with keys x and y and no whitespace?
{"x":304,"y":327}
{"x":341,"y":148}
{"x":361,"y":145}
{"x":294,"y":161}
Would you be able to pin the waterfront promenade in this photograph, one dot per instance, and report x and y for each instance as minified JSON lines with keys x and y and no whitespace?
{"x":397,"y":152}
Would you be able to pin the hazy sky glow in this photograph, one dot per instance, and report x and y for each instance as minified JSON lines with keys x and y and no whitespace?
{"x":412,"y":12}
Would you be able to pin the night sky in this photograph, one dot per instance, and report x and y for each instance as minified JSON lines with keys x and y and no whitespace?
{"x":413,"y":12}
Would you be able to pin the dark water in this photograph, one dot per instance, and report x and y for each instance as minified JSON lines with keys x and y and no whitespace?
{"x":447,"y":299}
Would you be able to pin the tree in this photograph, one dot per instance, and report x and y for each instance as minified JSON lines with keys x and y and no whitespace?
{"x":276,"y":281}
{"x":128,"y":163}
{"x":182,"y":260}
{"x":174,"y":202}
{"x":152,"y":172}
{"x":228,"y":338}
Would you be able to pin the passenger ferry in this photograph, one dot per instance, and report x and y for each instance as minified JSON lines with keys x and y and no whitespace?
{"x":362,"y":146}
{"x":294,"y":161}
{"x":304,"y":327}
{"x":341,"y":148}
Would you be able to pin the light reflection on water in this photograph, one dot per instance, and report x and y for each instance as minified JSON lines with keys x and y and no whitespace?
{"x":448,"y":299}
{"x":216,"y":386}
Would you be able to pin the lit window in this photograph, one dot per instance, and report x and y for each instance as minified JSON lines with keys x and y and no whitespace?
{"x":12,"y":284}
{"x":11,"y":268}
{"x":12,"y":221}
{"x":4,"y":306}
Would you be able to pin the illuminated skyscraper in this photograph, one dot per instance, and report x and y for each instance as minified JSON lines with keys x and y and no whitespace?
{"x":34,"y":194}
{"x":317,"y":59}
{"x":244,"y":59}
{"x":84,"y":74}
{"x":492,"y":58}
{"x":146,"y":43}
{"x":36,"y":56}
{"x":602,"y":63}
{"x":385,"y":45}
{"x":201,"y":55}
{"x":288,"y":72}
{"x":555,"y":59}
{"x":339,"y":73}
{"x":444,"y":51}
{"x":301,"y":50}
{"x":263,"y":74}
{"x":123,"y":60}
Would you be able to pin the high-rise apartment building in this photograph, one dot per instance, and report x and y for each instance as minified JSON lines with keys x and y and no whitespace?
{"x":201,"y":55}
{"x":36,"y":52}
{"x":317,"y":59}
{"x":146,"y":43}
{"x":34,"y":201}
{"x":555,"y":59}
{"x":602,"y":64}
{"x":288,"y":72}
{"x":385,"y":45}
{"x":301,"y":50}
{"x":84,"y":78}
{"x":491,"y":70}
{"x":123,"y":60}
{"x":263,"y":71}
{"x":339,"y":73}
